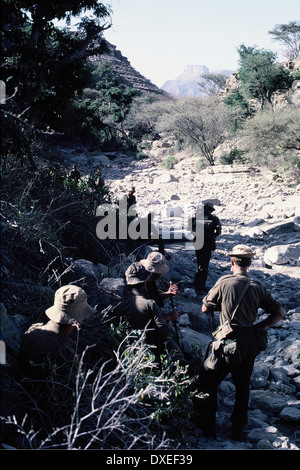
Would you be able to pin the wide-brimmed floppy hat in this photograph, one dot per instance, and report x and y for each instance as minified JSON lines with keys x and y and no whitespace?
{"x":242,"y":251}
{"x":70,"y":306}
{"x":136,"y":274}
{"x":155,"y":263}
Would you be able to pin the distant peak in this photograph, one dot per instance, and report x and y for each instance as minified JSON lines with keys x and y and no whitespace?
{"x":196,"y":69}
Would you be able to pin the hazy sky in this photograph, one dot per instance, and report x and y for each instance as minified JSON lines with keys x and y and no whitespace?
{"x":160,"y":37}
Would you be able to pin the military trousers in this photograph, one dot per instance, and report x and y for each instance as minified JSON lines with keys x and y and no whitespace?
{"x":209,"y":381}
{"x":203,"y":258}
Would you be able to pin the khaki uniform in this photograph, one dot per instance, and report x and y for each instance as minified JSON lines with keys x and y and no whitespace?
{"x":143,"y":313}
{"x":152,"y":292}
{"x":43,"y":346}
{"x":223,"y":297}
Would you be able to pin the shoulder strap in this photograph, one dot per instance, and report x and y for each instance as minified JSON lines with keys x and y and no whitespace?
{"x":150,"y":305}
{"x":240,"y":299}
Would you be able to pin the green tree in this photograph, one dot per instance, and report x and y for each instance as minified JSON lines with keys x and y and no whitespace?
{"x":105,"y":107}
{"x":289,"y":36}
{"x":272,"y":139}
{"x":199,"y":122}
{"x":44,"y":65}
{"x":260,"y":76}
{"x":239,"y":109}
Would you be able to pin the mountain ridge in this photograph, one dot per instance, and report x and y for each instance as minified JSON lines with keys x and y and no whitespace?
{"x":187,"y":84}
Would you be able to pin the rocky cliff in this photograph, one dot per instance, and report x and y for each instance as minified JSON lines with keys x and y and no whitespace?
{"x":126,"y":72}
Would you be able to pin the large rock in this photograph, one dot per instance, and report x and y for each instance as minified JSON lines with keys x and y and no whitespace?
{"x":283,"y":254}
{"x":267,"y":401}
{"x":290,"y":414}
{"x":193,"y":342}
{"x":113,"y":286}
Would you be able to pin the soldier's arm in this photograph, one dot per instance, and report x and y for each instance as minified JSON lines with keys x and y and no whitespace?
{"x":272,"y":319}
{"x":212,"y":301}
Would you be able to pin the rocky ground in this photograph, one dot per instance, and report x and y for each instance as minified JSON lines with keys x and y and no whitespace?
{"x":257,"y":208}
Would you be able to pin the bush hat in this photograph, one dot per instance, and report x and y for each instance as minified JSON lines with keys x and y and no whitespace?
{"x":136,"y":274}
{"x":70,"y":306}
{"x":155,"y":263}
{"x":242,"y":251}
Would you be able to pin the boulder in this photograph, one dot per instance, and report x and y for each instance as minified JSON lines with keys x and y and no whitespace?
{"x":193,"y":341}
{"x":112,"y":285}
{"x":290,"y":414}
{"x":283,"y":254}
{"x":267,"y":401}
{"x":269,"y":433}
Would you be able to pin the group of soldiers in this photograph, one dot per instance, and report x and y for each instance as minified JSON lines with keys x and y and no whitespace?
{"x":141,"y":305}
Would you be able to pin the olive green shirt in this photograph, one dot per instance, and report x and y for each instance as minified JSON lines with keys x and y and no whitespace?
{"x":225,"y":294}
{"x":44,"y":345}
{"x":141,"y":313}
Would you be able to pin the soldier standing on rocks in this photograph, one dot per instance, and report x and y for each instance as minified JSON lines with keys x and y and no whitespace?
{"x":243,"y":296}
{"x":74,"y":174}
{"x":212,"y":228}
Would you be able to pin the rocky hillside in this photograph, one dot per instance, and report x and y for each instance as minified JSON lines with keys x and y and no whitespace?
{"x":281,"y":97}
{"x":126,"y":72}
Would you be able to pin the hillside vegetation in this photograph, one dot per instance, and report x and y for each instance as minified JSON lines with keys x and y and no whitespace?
{"x":57,"y":95}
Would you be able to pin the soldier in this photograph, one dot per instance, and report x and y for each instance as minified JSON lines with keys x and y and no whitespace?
{"x":74,"y":174}
{"x":212,"y":228}
{"x":131,"y":199}
{"x":47,"y":345}
{"x":236,"y":292}
{"x":144,"y":313}
{"x":156,"y":264}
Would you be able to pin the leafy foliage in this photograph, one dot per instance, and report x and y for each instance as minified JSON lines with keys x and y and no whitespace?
{"x":212,"y":83}
{"x":199,"y":122}
{"x":260,"y":75}
{"x":289,"y":36}
{"x":105,"y":107}
{"x":273,"y":139}
{"x":47,"y":66}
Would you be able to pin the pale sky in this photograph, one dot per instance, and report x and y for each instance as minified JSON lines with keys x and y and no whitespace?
{"x":161,"y":37}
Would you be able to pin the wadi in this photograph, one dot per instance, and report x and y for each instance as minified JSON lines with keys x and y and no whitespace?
{"x":79,"y":102}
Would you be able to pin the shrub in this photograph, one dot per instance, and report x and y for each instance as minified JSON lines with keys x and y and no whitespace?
{"x":115,"y":404}
{"x":272,"y":139}
{"x":169,"y":162}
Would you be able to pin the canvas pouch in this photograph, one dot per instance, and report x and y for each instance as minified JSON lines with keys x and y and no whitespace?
{"x":222,"y":331}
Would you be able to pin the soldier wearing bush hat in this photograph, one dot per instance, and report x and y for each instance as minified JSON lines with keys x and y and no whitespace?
{"x":238,"y":299}
{"x":143,"y":313}
{"x":136,"y":274}
{"x":156,"y":264}
{"x":51,"y":343}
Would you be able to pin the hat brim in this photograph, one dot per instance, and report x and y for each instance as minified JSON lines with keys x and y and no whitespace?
{"x":135,"y":280}
{"x":57,"y":315}
{"x":161,"y":269}
{"x":242,"y":255}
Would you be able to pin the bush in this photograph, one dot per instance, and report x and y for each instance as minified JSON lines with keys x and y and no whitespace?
{"x":119,"y":403}
{"x":169,"y":162}
{"x":234,"y":156}
{"x":272,"y":139}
